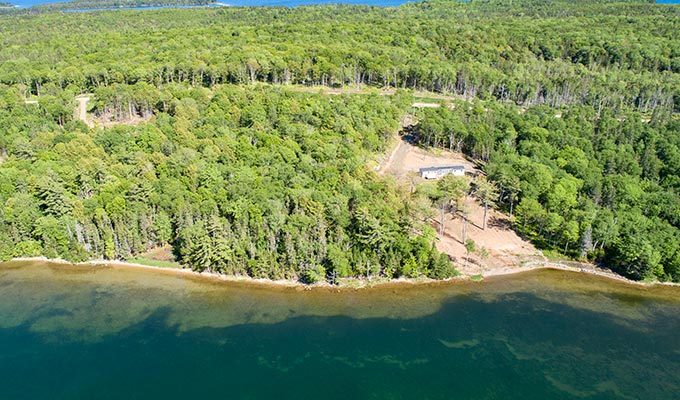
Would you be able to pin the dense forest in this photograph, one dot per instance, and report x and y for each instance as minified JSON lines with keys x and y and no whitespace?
{"x":254,"y":181}
{"x":569,"y":107}
{"x":605,"y":187}
{"x":607,"y":55}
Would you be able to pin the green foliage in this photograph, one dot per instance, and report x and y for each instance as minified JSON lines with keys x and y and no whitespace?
{"x":96,"y":4}
{"x":442,"y":267}
{"x":604,"y":54}
{"x":278,"y":192}
{"x":313,"y":274}
{"x":28,"y":248}
{"x":568,"y":106}
{"x":470,"y":246}
{"x":599,"y":186}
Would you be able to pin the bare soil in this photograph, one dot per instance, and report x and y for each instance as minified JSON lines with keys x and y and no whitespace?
{"x":107,"y":120}
{"x":81,"y":110}
{"x":505,"y":250}
{"x":406,"y":160}
{"x":161,"y":253}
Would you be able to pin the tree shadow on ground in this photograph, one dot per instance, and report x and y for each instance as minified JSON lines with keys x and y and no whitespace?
{"x":500,"y":223}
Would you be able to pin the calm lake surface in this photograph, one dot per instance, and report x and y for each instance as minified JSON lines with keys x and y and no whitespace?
{"x":97,"y":332}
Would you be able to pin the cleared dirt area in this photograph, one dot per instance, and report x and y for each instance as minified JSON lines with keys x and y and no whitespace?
{"x":505,"y":250}
{"x":162,"y":253}
{"x":108,"y":120}
{"x":405,"y":160}
{"x":104,"y":120}
{"x":339,"y":91}
{"x":425,"y":105}
{"x":81,"y":110}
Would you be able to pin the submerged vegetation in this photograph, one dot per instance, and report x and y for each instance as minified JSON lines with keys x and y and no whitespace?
{"x":570,"y":107}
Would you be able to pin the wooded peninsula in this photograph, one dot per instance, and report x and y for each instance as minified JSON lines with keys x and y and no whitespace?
{"x":206,"y":143}
{"x":113,"y":4}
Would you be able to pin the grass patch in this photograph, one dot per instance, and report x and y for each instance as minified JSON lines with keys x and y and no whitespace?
{"x":154,"y":263}
{"x":477,"y":278}
{"x":427,"y":100}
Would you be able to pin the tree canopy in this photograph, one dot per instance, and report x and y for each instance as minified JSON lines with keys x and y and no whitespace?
{"x":598,"y":186}
{"x":256,"y":181}
{"x":602,"y":54}
{"x":569,"y":106}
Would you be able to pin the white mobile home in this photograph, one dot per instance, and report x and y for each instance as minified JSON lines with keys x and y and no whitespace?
{"x":438,"y":172}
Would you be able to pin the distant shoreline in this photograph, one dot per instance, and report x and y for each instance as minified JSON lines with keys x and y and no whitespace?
{"x":70,"y":6}
{"x":351,"y":283}
{"x":140,"y":7}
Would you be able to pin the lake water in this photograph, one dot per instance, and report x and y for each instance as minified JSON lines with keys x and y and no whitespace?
{"x":97,"y":332}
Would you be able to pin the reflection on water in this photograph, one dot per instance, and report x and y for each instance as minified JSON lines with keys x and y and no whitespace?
{"x":78,"y":332}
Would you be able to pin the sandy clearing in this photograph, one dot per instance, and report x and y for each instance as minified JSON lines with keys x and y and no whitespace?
{"x":425,"y":105}
{"x":406,"y":159}
{"x":395,"y":158}
{"x":81,"y":110}
{"x":416,"y":158}
{"x":506,"y":250}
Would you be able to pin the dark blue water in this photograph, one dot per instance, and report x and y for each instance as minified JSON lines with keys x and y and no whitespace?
{"x":81,"y":335}
{"x":518,"y":354}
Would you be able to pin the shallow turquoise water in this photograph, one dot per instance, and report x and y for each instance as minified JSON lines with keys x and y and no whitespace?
{"x":66,"y":335}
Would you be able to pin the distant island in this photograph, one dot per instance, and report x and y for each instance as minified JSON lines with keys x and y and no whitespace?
{"x":113,"y":4}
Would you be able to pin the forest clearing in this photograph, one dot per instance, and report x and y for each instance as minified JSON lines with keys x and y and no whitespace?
{"x":81,"y":110}
{"x":503,"y":249}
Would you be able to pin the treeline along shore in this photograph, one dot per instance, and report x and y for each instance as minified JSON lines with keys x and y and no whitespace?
{"x":569,"y":108}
